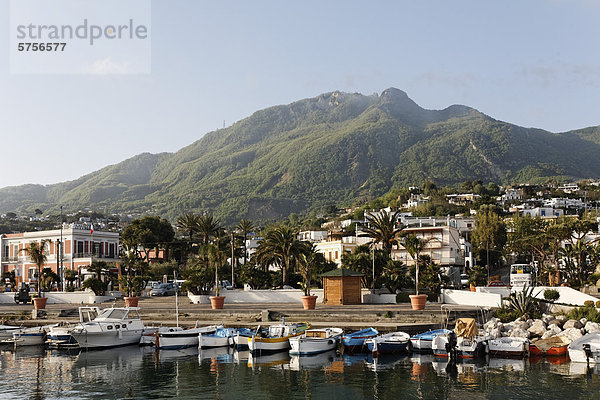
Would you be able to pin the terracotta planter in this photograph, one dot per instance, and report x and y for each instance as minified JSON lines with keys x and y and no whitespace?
{"x":473,"y":288}
{"x":309,"y":302}
{"x":418,"y":301}
{"x":131,"y":301}
{"x":216,"y":302}
{"x":39,"y":303}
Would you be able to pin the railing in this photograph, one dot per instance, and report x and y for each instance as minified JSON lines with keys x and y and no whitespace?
{"x":94,"y":255}
{"x":10,"y":259}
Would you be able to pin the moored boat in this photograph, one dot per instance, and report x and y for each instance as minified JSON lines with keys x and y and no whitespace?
{"x":511,"y":347}
{"x":553,"y":346}
{"x":35,"y":336}
{"x":277,"y":339}
{"x":59,"y":336}
{"x":315,"y":341}
{"x":149,"y":333}
{"x":6,"y":332}
{"x":465,"y":341}
{"x":240,"y":340}
{"x":586,"y":349}
{"x":220,"y":338}
{"x":183,"y":338}
{"x":115,"y":326}
{"x":422,"y":342}
{"x":395,"y":342}
{"x":354,"y":342}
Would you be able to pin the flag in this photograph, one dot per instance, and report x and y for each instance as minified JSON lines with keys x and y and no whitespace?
{"x":91,"y":229}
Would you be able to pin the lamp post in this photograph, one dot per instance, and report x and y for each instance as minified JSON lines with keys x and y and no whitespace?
{"x":373,"y":257}
{"x":60,"y":252}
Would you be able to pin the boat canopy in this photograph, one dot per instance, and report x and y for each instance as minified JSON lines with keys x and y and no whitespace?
{"x":466,"y":327}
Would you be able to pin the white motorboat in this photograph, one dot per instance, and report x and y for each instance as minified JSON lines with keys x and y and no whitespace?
{"x":115,"y":326}
{"x":6,"y":332}
{"x":277,"y":339}
{"x":35,"y":336}
{"x":149,"y":334}
{"x":395,"y":342}
{"x":60,"y":336}
{"x":183,"y":338}
{"x":315,"y":341}
{"x":513,"y":347}
{"x":586,"y":349}
{"x":422,"y":342}
{"x":220,"y":338}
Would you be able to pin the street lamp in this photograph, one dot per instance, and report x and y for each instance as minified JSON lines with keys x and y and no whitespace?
{"x":373,"y":257}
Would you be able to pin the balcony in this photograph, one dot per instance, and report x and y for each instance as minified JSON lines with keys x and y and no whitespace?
{"x":95,"y":255}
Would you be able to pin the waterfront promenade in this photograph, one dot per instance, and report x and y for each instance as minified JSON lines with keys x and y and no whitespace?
{"x":161,"y":311}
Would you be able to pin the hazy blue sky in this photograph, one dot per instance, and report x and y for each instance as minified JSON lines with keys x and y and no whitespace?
{"x":532,"y":63}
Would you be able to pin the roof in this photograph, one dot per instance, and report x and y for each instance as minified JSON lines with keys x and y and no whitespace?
{"x":341,"y":272}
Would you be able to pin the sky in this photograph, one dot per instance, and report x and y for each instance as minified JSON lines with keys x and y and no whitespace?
{"x":533,"y":63}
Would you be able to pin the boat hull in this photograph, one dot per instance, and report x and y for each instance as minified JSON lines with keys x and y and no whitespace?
{"x":29,"y":339}
{"x":183,"y":338}
{"x":89,"y":340}
{"x":586,"y":349}
{"x":423,"y":342}
{"x":508,"y":347}
{"x":308,"y":346}
{"x":210,"y":341}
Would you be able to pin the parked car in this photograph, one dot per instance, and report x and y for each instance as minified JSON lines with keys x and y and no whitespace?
{"x":22,"y":295}
{"x":496,"y":284}
{"x":464,"y":280}
{"x":164,"y":289}
{"x":152,"y":284}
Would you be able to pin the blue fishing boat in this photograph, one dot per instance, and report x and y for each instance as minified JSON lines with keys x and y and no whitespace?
{"x":354,"y":342}
{"x":240,"y":339}
{"x":395,"y":342}
{"x":421,"y":343}
{"x":220,"y":338}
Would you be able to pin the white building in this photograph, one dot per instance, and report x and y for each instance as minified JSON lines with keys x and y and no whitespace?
{"x":312,"y":236}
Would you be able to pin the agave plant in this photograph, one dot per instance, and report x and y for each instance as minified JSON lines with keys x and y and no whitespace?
{"x":523,"y":302}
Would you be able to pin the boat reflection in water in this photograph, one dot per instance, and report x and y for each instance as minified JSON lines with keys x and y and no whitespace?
{"x":385,"y":361}
{"x":272,"y":360}
{"x":217,"y":354}
{"x":315,"y":361}
{"x":507,"y":364}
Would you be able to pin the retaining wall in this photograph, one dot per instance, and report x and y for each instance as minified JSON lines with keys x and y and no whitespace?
{"x":285,"y":296}
{"x":468,"y":298}
{"x":62,"y":298}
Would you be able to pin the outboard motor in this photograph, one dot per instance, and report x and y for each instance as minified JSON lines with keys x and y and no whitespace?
{"x":451,"y":346}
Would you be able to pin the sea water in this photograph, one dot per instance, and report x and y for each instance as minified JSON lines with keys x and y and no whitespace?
{"x":141,"y":373}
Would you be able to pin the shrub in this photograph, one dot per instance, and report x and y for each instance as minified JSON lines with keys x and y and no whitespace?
{"x":588,"y":313}
{"x":388,"y":314}
{"x":505,"y":314}
{"x":551,"y":294}
{"x":402,"y":297}
{"x":97,"y":286}
{"x":524,"y":303}
{"x":597,"y":303}
{"x":588,"y":303}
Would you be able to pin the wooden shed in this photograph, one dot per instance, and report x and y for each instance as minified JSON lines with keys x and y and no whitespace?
{"x":342,"y":286}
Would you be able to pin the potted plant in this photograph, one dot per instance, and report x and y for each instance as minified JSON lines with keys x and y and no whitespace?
{"x":417,"y":300}
{"x":306,"y":263}
{"x":131,"y":287}
{"x":217,"y":301}
{"x":414,"y":246}
{"x":36,"y":252}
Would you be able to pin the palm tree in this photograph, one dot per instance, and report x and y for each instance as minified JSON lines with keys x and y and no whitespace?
{"x":382,"y":228}
{"x":38,"y":256}
{"x":245,"y":226}
{"x":280,"y":243}
{"x":414,"y":246}
{"x":189,"y":223}
{"x":208,"y":226}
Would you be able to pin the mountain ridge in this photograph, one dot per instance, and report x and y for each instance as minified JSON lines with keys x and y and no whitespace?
{"x":333,"y":148}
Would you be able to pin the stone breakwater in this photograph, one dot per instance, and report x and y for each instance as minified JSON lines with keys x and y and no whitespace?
{"x":546,"y":327}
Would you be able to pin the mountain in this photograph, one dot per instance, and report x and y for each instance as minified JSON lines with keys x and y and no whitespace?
{"x":334,"y":148}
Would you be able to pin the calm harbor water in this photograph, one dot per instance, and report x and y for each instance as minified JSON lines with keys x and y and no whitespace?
{"x":139,"y":373}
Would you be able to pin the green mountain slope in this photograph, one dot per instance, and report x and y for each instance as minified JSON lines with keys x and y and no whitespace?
{"x":334,"y":148}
